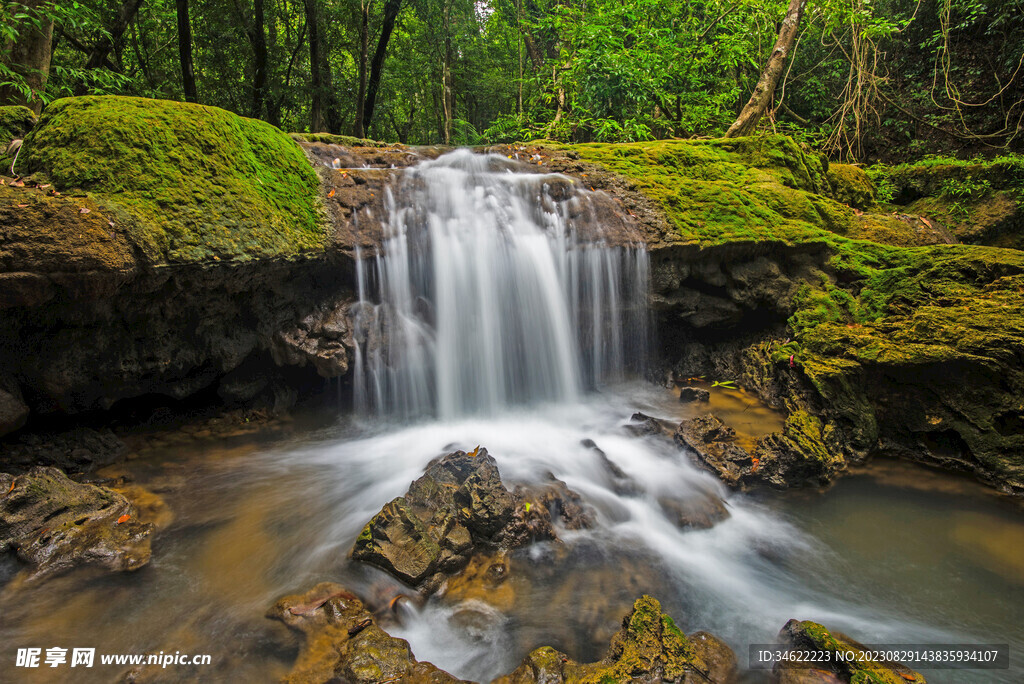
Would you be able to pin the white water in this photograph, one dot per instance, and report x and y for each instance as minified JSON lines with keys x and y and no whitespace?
{"x":487,"y":294}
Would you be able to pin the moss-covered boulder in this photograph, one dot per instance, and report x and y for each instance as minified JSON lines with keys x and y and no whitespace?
{"x":15,"y":122}
{"x":842,"y":657}
{"x":190,"y":183}
{"x":851,"y":185}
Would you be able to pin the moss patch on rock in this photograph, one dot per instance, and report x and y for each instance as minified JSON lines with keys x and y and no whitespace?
{"x":15,"y":122}
{"x":192,"y":183}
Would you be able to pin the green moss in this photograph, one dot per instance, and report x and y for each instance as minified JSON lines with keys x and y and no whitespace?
{"x":851,"y":185}
{"x":192,"y":183}
{"x":15,"y":122}
{"x":848,"y":656}
{"x":331,"y":139}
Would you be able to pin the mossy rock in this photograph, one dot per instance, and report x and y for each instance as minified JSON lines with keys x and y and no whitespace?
{"x":851,"y":185}
{"x":847,"y":659}
{"x":15,"y":122}
{"x":332,"y":139}
{"x":192,"y":183}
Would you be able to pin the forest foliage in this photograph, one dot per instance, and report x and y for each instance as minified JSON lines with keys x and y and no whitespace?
{"x":866,"y":80}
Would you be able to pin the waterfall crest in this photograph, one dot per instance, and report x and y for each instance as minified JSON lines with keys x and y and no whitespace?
{"x":493,"y":288}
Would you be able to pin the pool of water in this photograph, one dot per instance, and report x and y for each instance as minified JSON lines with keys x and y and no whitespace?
{"x":892,"y":553}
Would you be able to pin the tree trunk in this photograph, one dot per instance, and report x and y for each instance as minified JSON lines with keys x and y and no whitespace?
{"x":316,"y":109}
{"x":30,"y":56}
{"x":746,"y":122}
{"x":364,"y":54}
{"x":188,"y":77}
{"x":98,"y":57}
{"x":258,"y":38}
{"x":446,"y":77}
{"x":391,"y":10}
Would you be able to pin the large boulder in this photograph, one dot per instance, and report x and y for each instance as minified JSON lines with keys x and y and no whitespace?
{"x":458,"y":504}
{"x":53,"y":524}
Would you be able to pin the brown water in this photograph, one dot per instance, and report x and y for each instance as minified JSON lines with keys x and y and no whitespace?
{"x":894,"y":553}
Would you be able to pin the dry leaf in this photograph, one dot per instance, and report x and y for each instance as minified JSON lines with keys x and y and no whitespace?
{"x":83,"y":210}
{"x":43,"y":186}
{"x":331,"y":193}
{"x":22,"y":206}
{"x":12,"y":487}
{"x":926,"y":222}
{"x":124,"y":518}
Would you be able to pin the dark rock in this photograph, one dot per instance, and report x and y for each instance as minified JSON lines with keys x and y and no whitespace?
{"x":711,"y":441}
{"x":810,"y":636}
{"x":78,"y":450}
{"x":13,"y":410}
{"x":323,"y":338}
{"x":692,"y":394}
{"x":54,"y":524}
{"x":457,"y":505}
{"x":621,"y":483}
{"x":643,"y":425}
{"x":699,"y":511}
{"x":342,"y":642}
{"x":551,"y":505}
{"x":717,"y":656}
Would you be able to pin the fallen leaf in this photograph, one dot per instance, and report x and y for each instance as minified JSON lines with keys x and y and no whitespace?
{"x":475,"y":452}
{"x":43,"y":186}
{"x":331,"y":193}
{"x":22,"y":206}
{"x":926,"y":222}
{"x":83,"y":210}
{"x":18,"y":184}
{"x":124,"y":518}
{"x":12,"y":487}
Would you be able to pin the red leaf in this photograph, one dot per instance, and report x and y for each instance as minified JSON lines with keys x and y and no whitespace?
{"x":331,"y":193}
{"x":124,"y":518}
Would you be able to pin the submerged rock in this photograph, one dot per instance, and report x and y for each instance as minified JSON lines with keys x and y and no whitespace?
{"x":343,"y":642}
{"x":692,"y":394}
{"x":643,"y":425}
{"x":810,"y":636}
{"x":54,"y":524}
{"x":700,"y":511}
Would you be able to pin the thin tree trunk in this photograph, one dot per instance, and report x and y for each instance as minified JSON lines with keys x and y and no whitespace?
{"x":258,"y":38}
{"x":317,"y":122}
{"x":30,"y":56}
{"x":746,"y":122}
{"x":446,"y":77}
{"x":364,"y":55}
{"x":391,"y":10}
{"x":188,"y":77}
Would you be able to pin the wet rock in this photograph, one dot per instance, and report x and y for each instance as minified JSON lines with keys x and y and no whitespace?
{"x":805,"y":452}
{"x":700,"y":511}
{"x":13,"y":411}
{"x":643,"y":425}
{"x":621,"y":483}
{"x":711,"y":441}
{"x":810,"y":636}
{"x":543,"y":509}
{"x":74,"y":451}
{"x":342,"y":642}
{"x":323,"y":338}
{"x":54,"y":524}
{"x":689,"y":395}
{"x":484,"y":580}
{"x":716,"y":654}
{"x":457,"y":505}
{"x":648,"y":648}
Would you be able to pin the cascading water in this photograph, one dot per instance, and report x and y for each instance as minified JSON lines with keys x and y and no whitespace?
{"x":493,"y":288}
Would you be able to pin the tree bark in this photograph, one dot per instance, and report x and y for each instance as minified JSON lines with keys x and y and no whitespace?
{"x":746,"y":122}
{"x":258,"y":39}
{"x":317,"y":122}
{"x":188,"y":77}
{"x":364,"y":55}
{"x":30,"y":56}
{"x":391,"y":10}
{"x":102,"y":48}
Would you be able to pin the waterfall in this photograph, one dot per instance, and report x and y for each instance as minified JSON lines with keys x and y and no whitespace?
{"x":493,"y":288}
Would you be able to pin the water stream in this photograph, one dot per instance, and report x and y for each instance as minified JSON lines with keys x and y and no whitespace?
{"x":494,"y":318}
